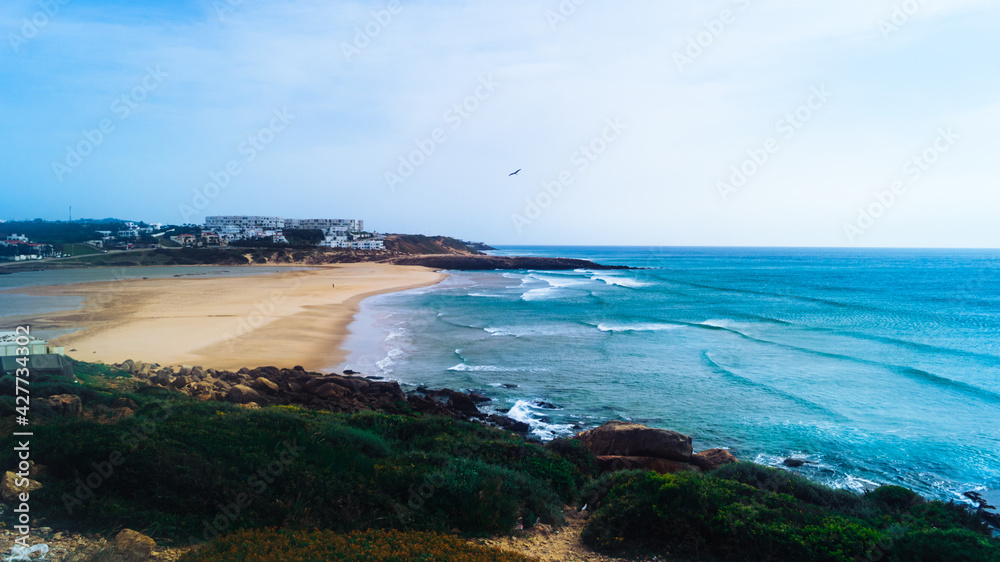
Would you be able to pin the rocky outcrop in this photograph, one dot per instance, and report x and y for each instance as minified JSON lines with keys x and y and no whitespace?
{"x":712,"y":459}
{"x":68,"y":405}
{"x":266,"y":386}
{"x":484,"y":262}
{"x":622,"y":445}
{"x":618,"y":438}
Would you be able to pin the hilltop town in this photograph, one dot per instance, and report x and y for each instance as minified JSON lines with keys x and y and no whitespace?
{"x":35,"y":240}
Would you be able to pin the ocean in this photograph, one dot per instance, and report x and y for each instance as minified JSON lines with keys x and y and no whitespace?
{"x":877,"y":366}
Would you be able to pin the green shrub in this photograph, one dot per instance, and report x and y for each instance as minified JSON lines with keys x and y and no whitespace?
{"x":894,"y":497}
{"x":183,"y":459}
{"x":944,"y":545}
{"x":754,"y":513}
{"x":369,"y":546}
{"x":578,"y":454}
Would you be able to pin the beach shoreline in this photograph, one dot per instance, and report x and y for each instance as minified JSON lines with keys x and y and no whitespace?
{"x":282,"y":319}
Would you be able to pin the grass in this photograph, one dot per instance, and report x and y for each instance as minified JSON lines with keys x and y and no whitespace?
{"x":79,"y":250}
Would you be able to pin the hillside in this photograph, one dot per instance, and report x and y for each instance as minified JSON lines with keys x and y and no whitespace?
{"x":420,"y":244}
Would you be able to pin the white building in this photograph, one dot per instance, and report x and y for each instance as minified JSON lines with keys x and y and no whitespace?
{"x":17,"y":238}
{"x":352,"y":225}
{"x":9,"y":345}
{"x":242,"y":223}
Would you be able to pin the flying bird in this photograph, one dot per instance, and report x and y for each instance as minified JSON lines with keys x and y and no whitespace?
{"x":515,"y":173}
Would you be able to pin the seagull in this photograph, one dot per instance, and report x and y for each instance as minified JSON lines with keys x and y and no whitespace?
{"x":515,"y":173}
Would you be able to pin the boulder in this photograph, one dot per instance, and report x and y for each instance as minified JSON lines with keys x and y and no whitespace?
{"x":610,"y":463}
{"x":10,"y":490}
{"x":260,"y":383}
{"x":618,"y":438}
{"x":242,"y":394}
{"x":330,"y":389}
{"x":509,"y":424}
{"x":162,"y":378}
{"x":197,"y":373}
{"x":479,"y":398}
{"x":712,"y":459}
{"x":138,"y":366}
{"x":185,"y":370}
{"x":128,"y":365}
{"x":134,"y":546}
{"x":796,"y":463}
{"x":66,"y":404}
{"x":180,"y":382}
{"x":462,"y":403}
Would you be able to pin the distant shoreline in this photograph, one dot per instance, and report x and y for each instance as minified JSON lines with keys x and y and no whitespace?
{"x":283,"y":319}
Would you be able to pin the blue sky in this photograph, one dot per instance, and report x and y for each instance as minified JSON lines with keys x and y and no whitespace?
{"x":625,"y":133}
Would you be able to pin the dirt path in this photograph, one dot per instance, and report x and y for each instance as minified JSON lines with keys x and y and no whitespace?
{"x":548,"y":544}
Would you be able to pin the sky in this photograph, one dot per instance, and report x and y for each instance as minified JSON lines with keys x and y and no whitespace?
{"x":688,"y":123}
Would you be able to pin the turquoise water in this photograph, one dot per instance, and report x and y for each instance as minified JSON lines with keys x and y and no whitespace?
{"x":881,"y":366}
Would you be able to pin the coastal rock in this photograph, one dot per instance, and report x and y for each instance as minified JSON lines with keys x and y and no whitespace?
{"x":712,"y":459}
{"x":330,"y":389}
{"x":180,"y":382}
{"x":127,"y":365}
{"x":10,"y":490}
{"x":241,"y":394}
{"x":260,"y":383}
{"x":618,"y":438}
{"x":463,"y":403}
{"x":134,"y":546}
{"x":197,"y":373}
{"x":479,"y":398}
{"x":795,"y":463}
{"x":611,"y":463}
{"x":162,"y":378}
{"x":65,"y":404}
{"x":509,"y":424}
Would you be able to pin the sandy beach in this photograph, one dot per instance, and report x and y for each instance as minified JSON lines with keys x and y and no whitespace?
{"x":285,"y":319}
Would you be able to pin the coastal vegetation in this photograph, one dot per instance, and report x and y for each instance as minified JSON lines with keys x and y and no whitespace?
{"x":287,"y":482}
